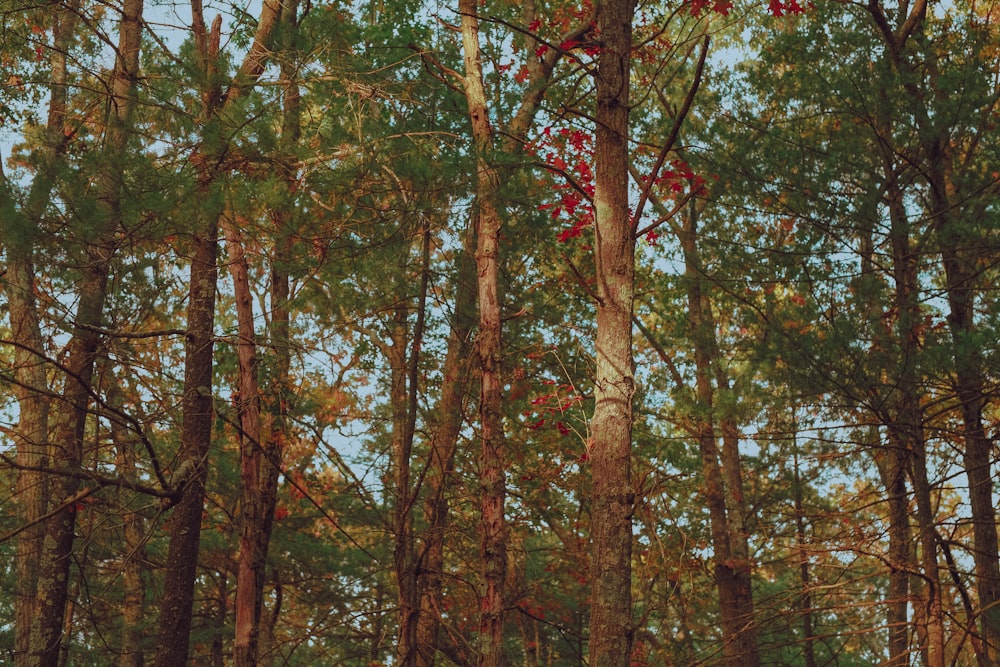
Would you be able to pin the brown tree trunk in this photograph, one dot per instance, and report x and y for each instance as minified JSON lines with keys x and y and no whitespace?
{"x":611,"y":629}
{"x":197,"y":408}
{"x":29,"y":373}
{"x":907,"y":420}
{"x":31,"y":438}
{"x":404,"y":369}
{"x":731,"y":576}
{"x":196,"y":437}
{"x":47,"y":631}
{"x":133,"y":598}
{"x":493,"y":537}
{"x":802,"y":542}
{"x":443,"y":442}
{"x":256,"y":508}
{"x":958,"y":249}
{"x":891,"y":461}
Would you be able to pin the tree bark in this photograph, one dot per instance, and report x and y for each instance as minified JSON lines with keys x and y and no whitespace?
{"x":732,"y":572}
{"x":493,"y":530}
{"x":197,"y":409}
{"x":29,"y":374}
{"x":404,"y":370}
{"x":611,"y":629}
{"x":196,"y":438}
{"x":443,"y":443}
{"x":68,"y":430}
{"x":254,"y":519}
{"x":133,"y":591}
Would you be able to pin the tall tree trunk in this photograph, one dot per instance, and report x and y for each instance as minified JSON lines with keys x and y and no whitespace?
{"x":802,"y":542}
{"x":727,"y":571}
{"x":30,"y":379}
{"x":493,"y":530}
{"x":31,"y":438}
{"x":405,"y":365}
{"x":443,"y":443}
{"x":907,"y":421}
{"x":611,"y":629}
{"x":958,"y":247}
{"x":196,"y":438}
{"x":67,"y":436}
{"x":133,"y":598}
{"x":196,"y":408}
{"x":892,"y":462}
{"x":254,"y":520}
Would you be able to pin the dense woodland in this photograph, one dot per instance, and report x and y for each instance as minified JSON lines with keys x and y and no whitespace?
{"x":499,"y":332}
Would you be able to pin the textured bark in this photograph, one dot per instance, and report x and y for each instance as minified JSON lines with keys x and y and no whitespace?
{"x":907,"y":420}
{"x":805,"y":576}
{"x":723,"y":480}
{"x":133,"y":555}
{"x":493,"y":530}
{"x":197,"y":411}
{"x":196,"y":437}
{"x":443,"y":443}
{"x":611,"y":629}
{"x":48,"y":628}
{"x":256,"y":498}
{"x":29,"y":373}
{"x":67,"y":436}
{"x":892,"y":465}
{"x":30,"y":439}
{"x":959,"y":253}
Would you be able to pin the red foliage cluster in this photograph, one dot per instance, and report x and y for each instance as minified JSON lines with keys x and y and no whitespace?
{"x":774,"y":7}
{"x":552,"y":405}
{"x":569,"y":152}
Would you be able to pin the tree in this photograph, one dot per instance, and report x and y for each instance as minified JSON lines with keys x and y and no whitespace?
{"x":613,"y":497}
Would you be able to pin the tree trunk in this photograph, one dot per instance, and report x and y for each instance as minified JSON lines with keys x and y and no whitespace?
{"x":30,"y":382}
{"x":197,"y":409}
{"x":611,"y":629}
{"x":493,"y":537}
{"x":959,"y":255}
{"x":404,"y":369}
{"x":802,"y":542}
{"x":907,"y":423}
{"x":443,"y":442}
{"x":133,"y":598}
{"x":733,"y":593}
{"x":68,"y":430}
{"x":256,"y":507}
{"x":196,"y":437}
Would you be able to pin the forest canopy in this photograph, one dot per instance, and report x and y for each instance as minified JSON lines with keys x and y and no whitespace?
{"x":618,"y":333}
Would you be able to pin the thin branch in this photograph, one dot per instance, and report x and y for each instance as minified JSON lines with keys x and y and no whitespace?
{"x":675,"y":131}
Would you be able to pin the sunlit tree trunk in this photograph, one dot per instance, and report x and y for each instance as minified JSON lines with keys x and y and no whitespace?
{"x":197,"y":403}
{"x":612,"y":496}
{"x":493,"y":530}
{"x":29,"y":374}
